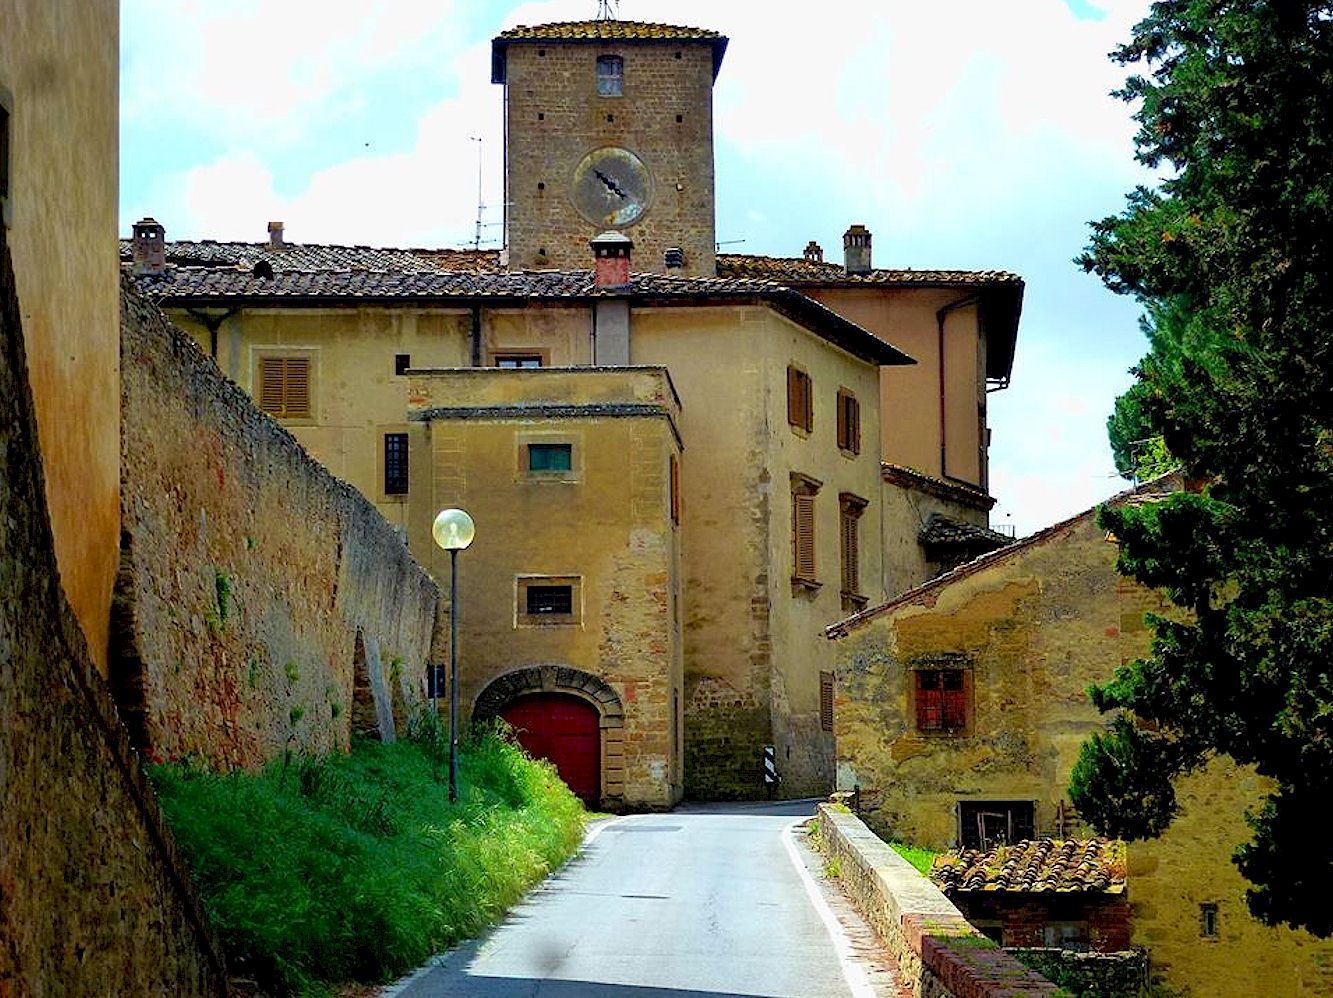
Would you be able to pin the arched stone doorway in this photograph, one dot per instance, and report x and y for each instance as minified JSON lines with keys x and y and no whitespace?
{"x":564,"y":714}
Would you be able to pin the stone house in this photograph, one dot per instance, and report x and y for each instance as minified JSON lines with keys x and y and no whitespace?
{"x":683,"y":465}
{"x":959,"y":712}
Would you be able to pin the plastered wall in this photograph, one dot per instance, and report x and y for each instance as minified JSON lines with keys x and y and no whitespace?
{"x":58,"y":76}
{"x":249,"y":573}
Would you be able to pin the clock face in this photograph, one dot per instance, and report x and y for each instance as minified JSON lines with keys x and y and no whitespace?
{"x":612,"y":187}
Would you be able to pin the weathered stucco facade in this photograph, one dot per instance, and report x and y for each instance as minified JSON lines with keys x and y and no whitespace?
{"x":58,"y":92}
{"x":1032,"y":626}
{"x":254,"y":586}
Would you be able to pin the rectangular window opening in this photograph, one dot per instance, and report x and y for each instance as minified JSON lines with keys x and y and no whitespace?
{"x":942,"y":700}
{"x":610,"y":76}
{"x":550,"y":601}
{"x":395,"y":464}
{"x":800,"y":402}
{"x":675,"y":489}
{"x":1208,"y":921}
{"x":5,"y":107}
{"x":826,"y":701}
{"x":518,"y":360}
{"x":284,"y":387}
{"x":850,"y":508}
{"x":550,"y":457}
{"x":545,"y":599}
{"x":849,"y":422}
{"x":401,"y":362}
{"x":987,"y":824}
{"x":803,"y":491}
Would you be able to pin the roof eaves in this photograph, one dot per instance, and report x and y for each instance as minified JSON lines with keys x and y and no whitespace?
{"x":842,"y":628}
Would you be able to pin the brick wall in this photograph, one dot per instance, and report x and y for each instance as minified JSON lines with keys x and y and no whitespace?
{"x":92,"y":898}
{"x":254,"y":586}
{"x":663,"y":81}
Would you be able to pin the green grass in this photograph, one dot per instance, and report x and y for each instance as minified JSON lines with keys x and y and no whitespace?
{"x":357,"y":867}
{"x":918,"y":857}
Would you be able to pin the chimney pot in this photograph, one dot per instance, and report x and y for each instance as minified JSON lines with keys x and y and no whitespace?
{"x":856,"y":250}
{"x":814,"y":252}
{"x":674,"y":259}
{"x":275,"y":241}
{"x":149,"y":247}
{"x":611,"y":257}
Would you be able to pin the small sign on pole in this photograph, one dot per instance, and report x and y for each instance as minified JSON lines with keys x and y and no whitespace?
{"x":436,"y":681}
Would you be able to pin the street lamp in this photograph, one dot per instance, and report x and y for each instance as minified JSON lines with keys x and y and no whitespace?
{"x":453,"y":531}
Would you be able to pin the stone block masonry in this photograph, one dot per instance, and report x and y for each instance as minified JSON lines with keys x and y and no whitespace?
{"x":938,"y":952}
{"x":260,"y":599}
{"x":93,"y":900}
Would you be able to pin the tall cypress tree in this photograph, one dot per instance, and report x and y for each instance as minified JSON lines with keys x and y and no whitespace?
{"x":1232,"y":257}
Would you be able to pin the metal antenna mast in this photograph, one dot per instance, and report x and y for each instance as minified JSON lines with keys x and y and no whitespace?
{"x":607,"y":10}
{"x":481,"y":205}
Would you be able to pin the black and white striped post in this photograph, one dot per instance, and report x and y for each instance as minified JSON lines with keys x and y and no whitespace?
{"x":770,"y":771}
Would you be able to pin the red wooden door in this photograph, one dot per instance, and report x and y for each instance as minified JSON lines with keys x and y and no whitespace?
{"x":565,"y":730}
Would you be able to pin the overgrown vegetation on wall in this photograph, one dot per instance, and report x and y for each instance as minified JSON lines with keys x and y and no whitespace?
{"x":357,"y":867}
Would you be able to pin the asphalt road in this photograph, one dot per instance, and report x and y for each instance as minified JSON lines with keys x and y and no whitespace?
{"x":705,"y":902}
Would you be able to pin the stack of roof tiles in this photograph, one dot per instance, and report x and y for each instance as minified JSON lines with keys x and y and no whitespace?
{"x":944,"y":531}
{"x":1036,"y":866}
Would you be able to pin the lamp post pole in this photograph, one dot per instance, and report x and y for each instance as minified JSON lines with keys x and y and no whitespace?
{"x":453,"y":530}
{"x":453,"y":675}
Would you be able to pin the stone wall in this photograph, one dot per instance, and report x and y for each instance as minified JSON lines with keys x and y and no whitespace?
{"x":256,"y":591}
{"x":939,"y":955}
{"x":92,"y":898}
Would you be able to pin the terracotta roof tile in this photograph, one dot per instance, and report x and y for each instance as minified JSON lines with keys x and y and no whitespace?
{"x":798,"y":270}
{"x":318,"y":256}
{"x":944,"y":531}
{"x":1038,"y":866}
{"x":596,"y":30}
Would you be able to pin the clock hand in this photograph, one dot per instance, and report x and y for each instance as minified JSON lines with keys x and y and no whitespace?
{"x":610,"y":184}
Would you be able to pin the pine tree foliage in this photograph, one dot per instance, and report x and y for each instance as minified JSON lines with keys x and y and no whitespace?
{"x":1232,"y":257}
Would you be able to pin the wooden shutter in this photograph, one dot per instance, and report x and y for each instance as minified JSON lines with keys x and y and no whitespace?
{"x":795,"y":407}
{"x":826,"y":701}
{"x":803,"y":536}
{"x":675,"y":489}
{"x":851,"y":567}
{"x":284,"y":386}
{"x":953,"y":700}
{"x":928,"y":700}
{"x":853,"y":425}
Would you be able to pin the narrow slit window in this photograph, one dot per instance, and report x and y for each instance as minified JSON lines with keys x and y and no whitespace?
{"x":610,"y":76}
{"x":4,"y":154}
{"x":395,"y":464}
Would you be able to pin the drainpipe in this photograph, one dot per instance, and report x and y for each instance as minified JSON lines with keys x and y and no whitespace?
{"x":214,"y":323}
{"x":476,"y":336}
{"x":940,"y":316}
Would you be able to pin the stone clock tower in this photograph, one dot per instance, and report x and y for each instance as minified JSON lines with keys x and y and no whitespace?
{"x":608,"y":125}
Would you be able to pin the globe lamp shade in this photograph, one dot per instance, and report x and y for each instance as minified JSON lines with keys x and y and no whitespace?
{"x":453,"y":529}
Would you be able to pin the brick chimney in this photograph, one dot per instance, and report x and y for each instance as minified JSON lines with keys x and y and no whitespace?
{"x":149,"y":247}
{"x":856,"y":250}
{"x":814,"y":253}
{"x":611,"y":256}
{"x":275,"y":236}
{"x":673,"y":259}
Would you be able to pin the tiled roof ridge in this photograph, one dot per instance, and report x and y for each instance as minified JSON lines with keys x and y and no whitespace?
{"x":842,"y":628}
{"x":127,"y":243}
{"x":594,"y":29}
{"x":825,"y":270}
{"x":939,"y":525}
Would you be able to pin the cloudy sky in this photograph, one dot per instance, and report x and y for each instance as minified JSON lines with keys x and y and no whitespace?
{"x":963,"y":133}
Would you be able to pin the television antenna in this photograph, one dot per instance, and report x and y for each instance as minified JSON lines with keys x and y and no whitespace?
{"x":481,"y":205}
{"x":607,"y":10}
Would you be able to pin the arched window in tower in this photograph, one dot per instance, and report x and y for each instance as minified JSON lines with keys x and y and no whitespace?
{"x":610,"y":75}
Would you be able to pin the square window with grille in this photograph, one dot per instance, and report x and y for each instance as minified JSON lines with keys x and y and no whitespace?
{"x":849,"y":422}
{"x":284,"y":387}
{"x":548,"y":600}
{"x":800,"y":400}
{"x":547,"y":458}
{"x":395,"y":464}
{"x":610,"y":76}
{"x":942,"y":697}
{"x":519,"y":360}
